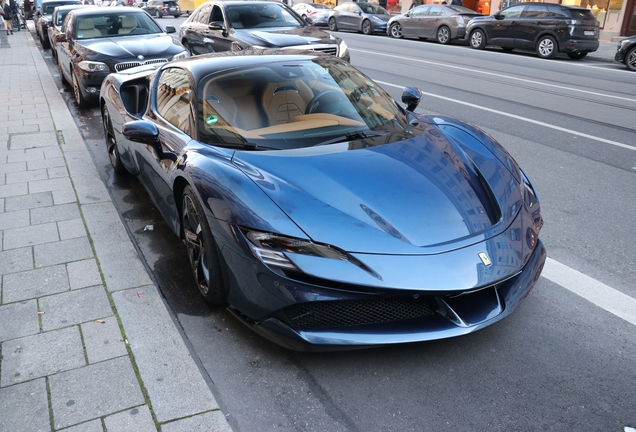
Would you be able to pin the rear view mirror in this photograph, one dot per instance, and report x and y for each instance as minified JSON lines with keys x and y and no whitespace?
{"x":411,"y":97}
{"x":215,"y":25}
{"x":171,"y":29}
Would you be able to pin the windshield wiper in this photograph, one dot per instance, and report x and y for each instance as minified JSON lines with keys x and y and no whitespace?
{"x":356,"y":135}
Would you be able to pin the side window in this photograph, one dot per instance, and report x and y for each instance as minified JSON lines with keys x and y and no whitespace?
{"x":217,"y":14}
{"x":536,"y":11}
{"x":174,"y":96}
{"x":204,"y":14}
{"x":67,"y":25}
{"x":436,"y":11}
{"x":555,"y":11}
{"x":420,"y":11}
{"x":512,"y":12}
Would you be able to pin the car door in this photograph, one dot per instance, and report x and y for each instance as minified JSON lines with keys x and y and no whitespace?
{"x":411,"y":25}
{"x":429,"y":22}
{"x":175,"y":121}
{"x":194,"y":29}
{"x":64,"y":48}
{"x":346,"y":17}
{"x":216,"y":34}
{"x":534,"y":20}
{"x":502,"y":30}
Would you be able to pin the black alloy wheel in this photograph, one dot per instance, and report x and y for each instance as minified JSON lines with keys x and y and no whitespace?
{"x":333,"y":26}
{"x":366,"y":27}
{"x":396,"y":30}
{"x":547,"y":47}
{"x":202,"y":250}
{"x":630,"y":59}
{"x":478,"y":39}
{"x":77,"y":92}
{"x":577,"y":55}
{"x":111,"y":144}
{"x":443,"y":35}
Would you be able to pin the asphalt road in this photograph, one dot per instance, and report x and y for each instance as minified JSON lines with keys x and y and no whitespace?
{"x":559,"y":363}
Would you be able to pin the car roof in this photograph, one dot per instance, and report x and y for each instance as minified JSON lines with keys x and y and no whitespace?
{"x":93,"y":11}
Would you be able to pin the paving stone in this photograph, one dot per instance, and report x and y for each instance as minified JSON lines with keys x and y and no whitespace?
{"x":94,"y":391}
{"x":46,"y":163}
{"x":62,"y":252}
{"x":12,"y":167}
{"x":13,"y":190}
{"x":23,"y":129}
{"x":24,"y":407}
{"x":22,"y":155}
{"x":162,"y":357}
{"x":33,"y":140}
{"x":50,"y":185}
{"x":137,"y":419}
{"x":14,"y":219}
{"x":29,"y":201}
{"x":27,"y":176}
{"x":39,"y":355}
{"x":74,"y":307}
{"x":58,"y":172}
{"x":18,"y":320}
{"x":84,"y":273}
{"x":91,"y":426}
{"x":54,"y":213}
{"x":30,"y":235}
{"x":209,"y":422}
{"x":2,"y":201}
{"x":103,"y":340}
{"x":35,"y":283}
{"x":89,"y":186}
{"x":16,"y":260}
{"x":73,"y":228}
{"x":64,"y":196}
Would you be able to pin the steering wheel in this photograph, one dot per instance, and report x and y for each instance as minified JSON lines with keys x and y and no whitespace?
{"x":323,"y":100}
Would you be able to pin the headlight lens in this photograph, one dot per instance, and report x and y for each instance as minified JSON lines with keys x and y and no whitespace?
{"x":92,"y":66}
{"x":342,"y":48}
{"x":181,"y":55}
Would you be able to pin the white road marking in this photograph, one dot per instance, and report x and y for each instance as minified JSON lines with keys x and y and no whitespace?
{"x":603,"y":296}
{"x":494,"y":111}
{"x":509,"y":77}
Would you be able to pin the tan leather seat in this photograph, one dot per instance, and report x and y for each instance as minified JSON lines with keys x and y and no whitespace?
{"x":285,"y":100}
{"x":128,"y":24}
{"x":86,"y":29}
{"x":237,"y":102}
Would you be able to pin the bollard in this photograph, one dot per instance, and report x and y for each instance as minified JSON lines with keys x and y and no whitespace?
{"x":4,"y":40}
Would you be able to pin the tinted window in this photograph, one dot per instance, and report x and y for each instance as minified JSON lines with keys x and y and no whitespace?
{"x":47,"y":8}
{"x":173,"y":99}
{"x":108,"y":25}
{"x":512,"y":12}
{"x":262,"y":16}
{"x":341,"y":7}
{"x":555,"y":11}
{"x":217,"y":14}
{"x":203,"y":14}
{"x":420,"y":11}
{"x":436,"y":11}
{"x":582,"y":14}
{"x":536,"y":11}
{"x":372,"y":8}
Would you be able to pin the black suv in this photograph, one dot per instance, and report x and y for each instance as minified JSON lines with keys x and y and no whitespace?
{"x":159,"y":8}
{"x":547,"y":28}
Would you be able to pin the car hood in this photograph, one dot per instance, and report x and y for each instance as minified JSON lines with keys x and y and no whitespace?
{"x":422,"y":195}
{"x":285,"y":37}
{"x":381,"y":17}
{"x":132,"y":46}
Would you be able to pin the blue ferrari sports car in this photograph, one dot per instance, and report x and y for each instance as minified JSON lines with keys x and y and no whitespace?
{"x":320,"y":211}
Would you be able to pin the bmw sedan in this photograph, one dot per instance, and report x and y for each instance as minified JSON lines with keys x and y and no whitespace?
{"x":324,"y":214}
{"x":97,"y":41}
{"x":237,"y":25}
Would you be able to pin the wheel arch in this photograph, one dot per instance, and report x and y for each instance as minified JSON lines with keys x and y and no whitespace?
{"x":547,"y":33}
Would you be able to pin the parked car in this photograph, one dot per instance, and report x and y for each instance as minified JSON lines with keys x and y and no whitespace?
{"x":626,"y":53}
{"x":159,"y":8}
{"x":42,"y":18}
{"x":232,"y":26}
{"x":59,"y":13}
{"x":322,"y":212}
{"x":362,"y":17}
{"x":445,"y":23}
{"x":94,"y":42}
{"x":546,"y":28}
{"x":315,"y":13}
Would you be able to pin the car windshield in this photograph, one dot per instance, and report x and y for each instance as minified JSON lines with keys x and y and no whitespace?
{"x":47,"y":8}
{"x":294,"y":104}
{"x":250,"y":16}
{"x":371,"y":8}
{"x":115,"y":24}
{"x":320,"y":6}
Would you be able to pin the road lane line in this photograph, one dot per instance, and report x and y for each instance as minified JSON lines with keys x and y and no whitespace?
{"x":603,"y":296}
{"x":462,"y":68}
{"x":494,"y":111}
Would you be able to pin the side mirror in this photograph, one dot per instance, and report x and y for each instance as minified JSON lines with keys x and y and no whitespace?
{"x":357,"y":12}
{"x":171,"y":29}
{"x":60,"y":37}
{"x":216,"y":25}
{"x":143,"y":132}
{"x":411,"y":97}
{"x":498,"y":16}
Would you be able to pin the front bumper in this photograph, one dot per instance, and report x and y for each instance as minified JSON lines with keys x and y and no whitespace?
{"x":90,"y":83}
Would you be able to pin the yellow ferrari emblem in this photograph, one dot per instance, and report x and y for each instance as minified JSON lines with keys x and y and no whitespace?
{"x":485,"y":259}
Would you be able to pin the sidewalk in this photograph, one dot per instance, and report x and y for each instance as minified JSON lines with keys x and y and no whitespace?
{"x":86,"y":341}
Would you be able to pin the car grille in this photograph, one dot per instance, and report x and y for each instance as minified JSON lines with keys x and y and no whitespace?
{"x":128,"y":65}
{"x":325,"y":314}
{"x":329,"y":49}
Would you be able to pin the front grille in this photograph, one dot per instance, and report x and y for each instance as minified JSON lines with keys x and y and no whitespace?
{"x":333,"y":50}
{"x":328,"y":49}
{"x":325,"y":314}
{"x":128,"y":65}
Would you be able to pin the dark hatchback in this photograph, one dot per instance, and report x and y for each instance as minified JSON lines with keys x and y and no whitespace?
{"x":233,"y":26}
{"x":97,"y":41}
{"x":546,"y":28}
{"x":626,"y":53}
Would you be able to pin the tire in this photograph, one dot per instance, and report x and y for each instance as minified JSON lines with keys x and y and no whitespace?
{"x":333,"y":26}
{"x":630,"y":59}
{"x":577,"y":55}
{"x":367,"y":28}
{"x":111,"y":144}
{"x":443,"y":35}
{"x":59,"y":68}
{"x":396,"y":31}
{"x":547,"y":47}
{"x":77,"y":92}
{"x":203,"y":252}
{"x":478,"y":39}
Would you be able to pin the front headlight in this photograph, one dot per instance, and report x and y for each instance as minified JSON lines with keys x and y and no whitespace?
{"x":342,"y":48}
{"x":181,"y":55}
{"x":92,"y":66}
{"x":621,"y":43}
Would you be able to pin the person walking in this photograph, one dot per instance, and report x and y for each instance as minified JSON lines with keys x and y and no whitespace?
{"x":5,"y":20}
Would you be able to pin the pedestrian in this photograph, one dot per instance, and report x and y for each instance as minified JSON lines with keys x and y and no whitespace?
{"x":456,"y":2}
{"x":416,"y":3}
{"x":5,"y":20}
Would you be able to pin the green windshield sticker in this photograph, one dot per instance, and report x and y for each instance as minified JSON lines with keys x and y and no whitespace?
{"x":212,"y":119}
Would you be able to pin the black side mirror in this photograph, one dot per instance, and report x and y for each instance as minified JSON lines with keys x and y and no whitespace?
{"x":143,"y":132}
{"x":216,"y":25}
{"x":411,"y":97}
{"x":498,"y":16}
{"x":171,"y":29}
